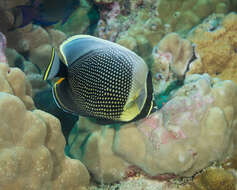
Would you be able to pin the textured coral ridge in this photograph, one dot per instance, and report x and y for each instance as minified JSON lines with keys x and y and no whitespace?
{"x":195,"y":128}
{"x":216,"y":46}
{"x":31,"y":142}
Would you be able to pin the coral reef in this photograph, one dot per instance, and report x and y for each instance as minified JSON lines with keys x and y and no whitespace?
{"x":31,"y":143}
{"x":10,"y":4}
{"x":26,"y":39}
{"x":195,"y":128}
{"x":180,"y":50}
{"x":216,"y":47}
{"x":141,"y":24}
{"x":191,"y":139}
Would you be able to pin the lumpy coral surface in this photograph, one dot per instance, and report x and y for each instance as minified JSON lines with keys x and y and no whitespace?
{"x":31,"y":143}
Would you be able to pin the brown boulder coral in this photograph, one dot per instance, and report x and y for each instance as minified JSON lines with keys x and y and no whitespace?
{"x":216,"y":45}
{"x":32,"y":151}
{"x":13,"y":81}
{"x":31,"y":142}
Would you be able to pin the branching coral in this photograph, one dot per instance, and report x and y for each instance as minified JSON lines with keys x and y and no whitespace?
{"x":216,"y":45}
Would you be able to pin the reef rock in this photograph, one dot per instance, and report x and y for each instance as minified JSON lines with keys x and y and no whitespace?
{"x":194,"y":129}
{"x":216,"y":47}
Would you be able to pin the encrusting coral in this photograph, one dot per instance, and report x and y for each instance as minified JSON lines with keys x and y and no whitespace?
{"x":216,"y":47}
{"x":195,"y":128}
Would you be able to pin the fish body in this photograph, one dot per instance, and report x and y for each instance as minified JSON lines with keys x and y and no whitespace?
{"x":100,"y":79}
{"x":44,"y":12}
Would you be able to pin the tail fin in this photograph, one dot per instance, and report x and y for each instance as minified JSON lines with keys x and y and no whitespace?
{"x":55,"y":68}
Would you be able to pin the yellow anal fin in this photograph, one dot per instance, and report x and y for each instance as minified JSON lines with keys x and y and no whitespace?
{"x":63,"y":97}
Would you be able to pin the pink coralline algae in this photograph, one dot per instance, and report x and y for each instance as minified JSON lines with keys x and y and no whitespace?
{"x":108,"y":16}
{"x":167,"y":125}
{"x":3,"y":44}
{"x":181,"y":134}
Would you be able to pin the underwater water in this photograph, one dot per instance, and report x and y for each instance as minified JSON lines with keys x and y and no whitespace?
{"x":118,"y":95}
